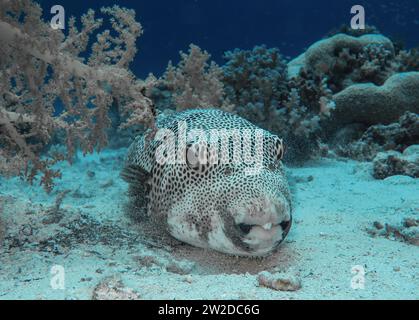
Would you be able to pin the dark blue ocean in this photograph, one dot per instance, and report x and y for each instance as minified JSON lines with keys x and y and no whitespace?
{"x":220,"y":25}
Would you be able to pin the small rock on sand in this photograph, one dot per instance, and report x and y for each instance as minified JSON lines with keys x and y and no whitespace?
{"x":112,"y":288}
{"x":279,"y":281}
{"x":182,"y":267}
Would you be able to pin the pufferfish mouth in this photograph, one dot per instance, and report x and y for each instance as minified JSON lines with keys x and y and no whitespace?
{"x":262,"y":239}
{"x":285,"y":226}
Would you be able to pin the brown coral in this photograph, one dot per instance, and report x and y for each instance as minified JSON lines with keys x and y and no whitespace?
{"x":194,"y":82}
{"x":41,"y":68}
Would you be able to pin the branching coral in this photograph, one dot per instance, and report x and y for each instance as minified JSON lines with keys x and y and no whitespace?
{"x":41,"y":69}
{"x":257,"y":75}
{"x":255,"y":81}
{"x":372,"y":64}
{"x":194,"y":82}
{"x":408,"y":60}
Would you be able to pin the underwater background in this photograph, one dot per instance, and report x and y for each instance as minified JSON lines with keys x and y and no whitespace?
{"x":218,"y":26}
{"x":344,"y":102}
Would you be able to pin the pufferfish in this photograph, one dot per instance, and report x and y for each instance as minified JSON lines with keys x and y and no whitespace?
{"x":213,"y":180}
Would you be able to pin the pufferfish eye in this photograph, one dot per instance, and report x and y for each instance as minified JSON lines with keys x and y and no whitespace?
{"x":192,"y":156}
{"x":279,"y":148}
{"x":278,"y":154}
{"x":197,"y":157}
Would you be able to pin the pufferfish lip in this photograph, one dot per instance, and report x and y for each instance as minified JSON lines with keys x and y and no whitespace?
{"x":245,"y":228}
{"x":285,"y":226}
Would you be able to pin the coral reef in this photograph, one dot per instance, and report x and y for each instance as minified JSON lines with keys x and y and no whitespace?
{"x":77,"y":91}
{"x":392,"y":163}
{"x":194,"y":82}
{"x":300,"y":126}
{"x":255,"y":82}
{"x":361,"y":77}
{"x":377,"y":138}
{"x":408,"y":60}
{"x":370,"y":104}
{"x":255,"y":86}
{"x":337,"y":81}
{"x":52,"y":83}
{"x":345,"y":60}
{"x":363,"y":82}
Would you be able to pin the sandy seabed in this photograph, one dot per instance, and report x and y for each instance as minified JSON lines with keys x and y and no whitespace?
{"x":88,"y":247}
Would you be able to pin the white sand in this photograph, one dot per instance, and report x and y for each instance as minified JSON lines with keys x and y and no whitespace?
{"x":327,"y":239}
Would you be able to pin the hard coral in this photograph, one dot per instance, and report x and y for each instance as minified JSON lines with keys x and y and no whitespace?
{"x":344,"y":60}
{"x":41,"y":68}
{"x":255,"y":79}
{"x":408,"y":60}
{"x":357,"y":81}
{"x":370,"y":104}
{"x":396,"y":136}
{"x":391,"y":163}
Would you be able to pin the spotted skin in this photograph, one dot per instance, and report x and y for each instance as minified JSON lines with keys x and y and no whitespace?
{"x":214,"y":205}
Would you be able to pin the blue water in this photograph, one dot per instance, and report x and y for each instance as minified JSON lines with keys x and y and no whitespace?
{"x":220,"y":25}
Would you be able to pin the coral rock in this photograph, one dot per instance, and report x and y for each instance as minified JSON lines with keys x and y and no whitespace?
{"x":322,"y":54}
{"x":391,"y":163}
{"x":183,"y":267}
{"x":396,"y":136}
{"x":371,"y":104}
